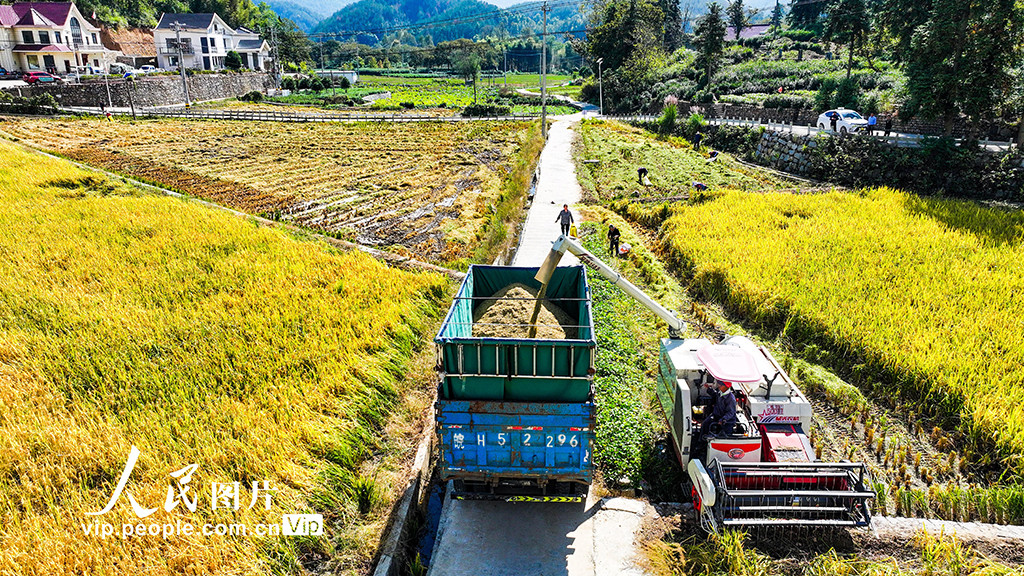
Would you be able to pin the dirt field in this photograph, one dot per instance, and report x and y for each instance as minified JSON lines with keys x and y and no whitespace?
{"x":427,"y":188}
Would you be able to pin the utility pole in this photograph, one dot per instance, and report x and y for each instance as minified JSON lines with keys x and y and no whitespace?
{"x":544,"y":75}
{"x":504,"y":69}
{"x":181,"y":63}
{"x":600,"y":86}
{"x":274,"y":55}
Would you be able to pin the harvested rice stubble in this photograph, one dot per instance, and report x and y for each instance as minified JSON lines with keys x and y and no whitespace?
{"x":507,"y":315}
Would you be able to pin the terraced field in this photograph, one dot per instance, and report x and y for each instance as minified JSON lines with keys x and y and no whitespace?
{"x":429,"y":188}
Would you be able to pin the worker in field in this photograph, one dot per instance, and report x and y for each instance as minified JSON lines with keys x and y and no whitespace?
{"x":613,"y":240}
{"x":724,"y":412}
{"x":641,"y":176}
{"x":565,"y":219}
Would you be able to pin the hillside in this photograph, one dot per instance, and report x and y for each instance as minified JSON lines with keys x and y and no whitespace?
{"x":304,"y":17}
{"x":372,"y":20}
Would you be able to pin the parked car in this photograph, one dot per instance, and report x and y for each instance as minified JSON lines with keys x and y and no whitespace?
{"x":43,"y":77}
{"x":849,"y":121}
{"x":148,"y":69}
{"x":8,"y":75}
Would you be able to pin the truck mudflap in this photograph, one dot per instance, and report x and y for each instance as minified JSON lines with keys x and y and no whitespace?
{"x":779,"y":494}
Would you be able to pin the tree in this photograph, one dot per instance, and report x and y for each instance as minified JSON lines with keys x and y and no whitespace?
{"x":344,"y":84}
{"x":805,"y":13}
{"x":847,"y":23}
{"x":738,"y":17}
{"x":233,"y":61}
{"x":777,"y":17}
{"x":709,"y":41}
{"x":673,"y":25}
{"x":628,"y":29}
{"x":468,"y":66}
{"x":961,"y":59}
{"x":897,"y":20}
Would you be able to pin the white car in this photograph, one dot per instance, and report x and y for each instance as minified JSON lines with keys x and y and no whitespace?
{"x":849,"y":121}
{"x":148,"y":69}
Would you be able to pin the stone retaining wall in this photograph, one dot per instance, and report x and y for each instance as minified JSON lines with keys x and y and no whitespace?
{"x":998,"y":130}
{"x":786,"y":152}
{"x":151,"y":90}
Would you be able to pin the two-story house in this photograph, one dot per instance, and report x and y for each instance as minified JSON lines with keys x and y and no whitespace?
{"x":50,"y":36}
{"x":202,"y":41}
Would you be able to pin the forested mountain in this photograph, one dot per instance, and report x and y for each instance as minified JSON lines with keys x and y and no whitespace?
{"x":372,"y":22}
{"x":305,"y":18}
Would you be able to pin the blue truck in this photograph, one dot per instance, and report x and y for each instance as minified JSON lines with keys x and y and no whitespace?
{"x":515,"y":416}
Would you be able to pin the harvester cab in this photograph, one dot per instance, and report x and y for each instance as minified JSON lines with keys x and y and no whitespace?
{"x":763,"y":470}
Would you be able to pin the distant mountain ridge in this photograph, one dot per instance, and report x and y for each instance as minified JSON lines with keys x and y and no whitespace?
{"x":305,"y":18}
{"x":374,"y":19}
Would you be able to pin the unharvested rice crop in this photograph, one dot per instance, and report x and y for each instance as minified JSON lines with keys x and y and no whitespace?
{"x":428,"y":187}
{"x":611,"y":152}
{"x":129,"y":319}
{"x":921,"y":293}
{"x":508,"y":315}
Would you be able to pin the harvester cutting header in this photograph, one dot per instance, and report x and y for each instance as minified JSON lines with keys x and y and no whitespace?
{"x":753,"y":465}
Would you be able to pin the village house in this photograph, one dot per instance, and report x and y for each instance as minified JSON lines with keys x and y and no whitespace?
{"x":49,"y":36}
{"x":205,"y":40}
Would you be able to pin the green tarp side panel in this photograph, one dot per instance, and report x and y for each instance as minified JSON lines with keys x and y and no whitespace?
{"x":518,"y":369}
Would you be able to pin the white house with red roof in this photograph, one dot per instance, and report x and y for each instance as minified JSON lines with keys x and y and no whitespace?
{"x":49,"y":36}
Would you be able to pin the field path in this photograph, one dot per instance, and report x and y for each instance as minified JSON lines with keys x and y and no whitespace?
{"x":478,"y":538}
{"x":557,"y":185}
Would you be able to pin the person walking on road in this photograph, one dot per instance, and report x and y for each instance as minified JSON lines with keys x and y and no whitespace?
{"x":833,"y":118}
{"x":565,"y":219}
{"x":872,"y":123}
{"x":613,"y":240}
{"x":888,"y":126}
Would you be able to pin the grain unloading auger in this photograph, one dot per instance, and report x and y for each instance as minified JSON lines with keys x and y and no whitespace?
{"x":762,"y":473}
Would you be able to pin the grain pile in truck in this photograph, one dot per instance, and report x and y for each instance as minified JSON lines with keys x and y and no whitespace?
{"x":507,"y":315}
{"x":515,"y":415}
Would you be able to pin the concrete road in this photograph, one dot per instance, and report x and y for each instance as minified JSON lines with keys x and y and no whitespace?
{"x":595,"y":538}
{"x":479,"y":538}
{"x":556,"y":186}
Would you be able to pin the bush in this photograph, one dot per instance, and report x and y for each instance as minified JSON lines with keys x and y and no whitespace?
{"x":233,"y":61}
{"x":476,"y":110}
{"x":42,"y":104}
{"x":254,"y":96}
{"x":344,"y":84}
{"x":667,"y":124}
{"x":704,"y":97}
{"x":787,"y":101}
{"x":825,"y":96}
{"x":695,"y":123}
{"x":289,"y":84}
{"x":408,"y":105}
{"x":304,"y":84}
{"x":799,"y":35}
{"x":847,"y":94}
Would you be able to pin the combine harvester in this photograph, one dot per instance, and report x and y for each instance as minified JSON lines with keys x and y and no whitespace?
{"x":765,"y":472}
